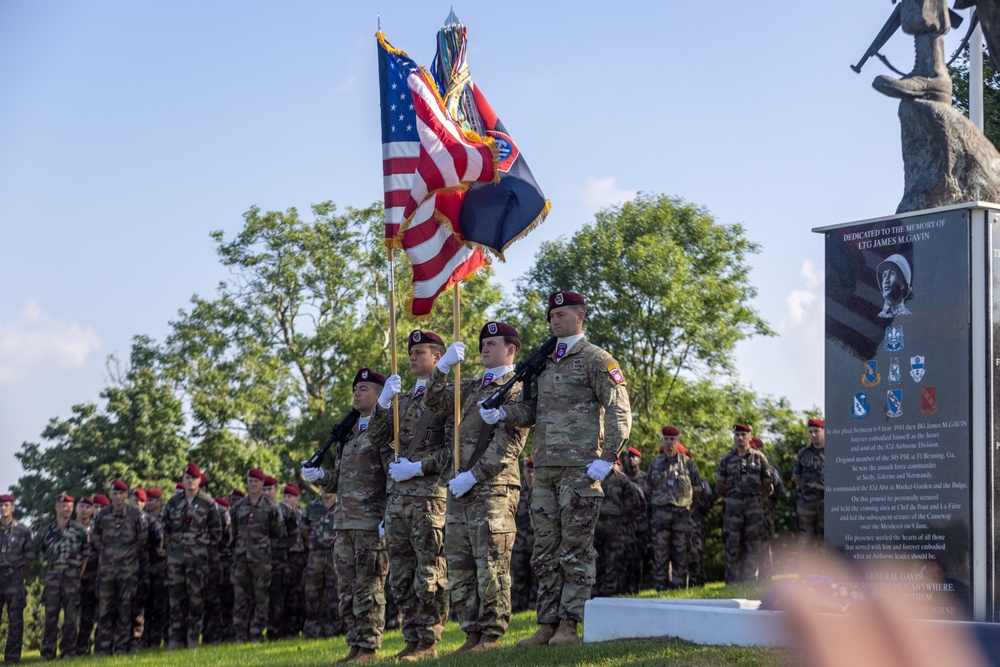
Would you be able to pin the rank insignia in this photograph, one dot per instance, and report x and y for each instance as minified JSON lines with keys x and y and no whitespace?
{"x":871,"y":376}
{"x":616,"y":374}
{"x":917,"y":368}
{"x":860,"y":410}
{"x":928,"y":400}
{"x":894,"y":370}
{"x":894,"y":403}
{"x":894,"y":338}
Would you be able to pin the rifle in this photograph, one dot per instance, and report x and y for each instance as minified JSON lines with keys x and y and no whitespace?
{"x":338,"y":434}
{"x":525,"y":372}
{"x":892,"y":24}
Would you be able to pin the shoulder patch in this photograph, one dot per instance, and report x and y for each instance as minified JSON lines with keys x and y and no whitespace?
{"x":616,"y":374}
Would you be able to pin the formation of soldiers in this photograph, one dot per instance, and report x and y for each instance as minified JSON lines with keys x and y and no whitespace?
{"x":197,"y":569}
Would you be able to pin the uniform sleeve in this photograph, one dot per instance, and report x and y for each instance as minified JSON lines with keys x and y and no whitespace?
{"x":29,"y":549}
{"x":505,"y":445}
{"x":95,"y":533}
{"x":522,"y":413}
{"x":797,"y":469}
{"x":440,"y":396}
{"x":233,"y":523}
{"x":608,"y":384}
{"x":694,"y":475}
{"x":332,"y":477}
{"x":214,"y":525}
{"x":380,"y":426}
{"x":277,"y":530}
{"x":441,"y":458}
{"x":165,"y":525}
{"x":85,"y":544}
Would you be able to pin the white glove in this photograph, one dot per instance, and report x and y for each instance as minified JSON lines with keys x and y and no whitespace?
{"x":381,"y":529}
{"x":393,"y":385}
{"x":461,"y":484}
{"x":454,"y":354}
{"x":313,"y":474}
{"x":405,"y":469}
{"x":599,"y":469}
{"x":492,"y":416}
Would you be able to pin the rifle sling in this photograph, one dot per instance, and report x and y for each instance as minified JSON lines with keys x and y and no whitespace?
{"x":485,"y":435}
{"x":418,"y":435}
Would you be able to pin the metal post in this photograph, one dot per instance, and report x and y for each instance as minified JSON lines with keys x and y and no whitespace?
{"x":976,"y":77}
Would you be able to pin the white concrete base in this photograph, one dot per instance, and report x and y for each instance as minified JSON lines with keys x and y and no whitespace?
{"x":732,"y":622}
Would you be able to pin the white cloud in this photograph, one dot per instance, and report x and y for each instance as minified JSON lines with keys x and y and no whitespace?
{"x":800,"y":303}
{"x":599,"y":193}
{"x":35,"y":338}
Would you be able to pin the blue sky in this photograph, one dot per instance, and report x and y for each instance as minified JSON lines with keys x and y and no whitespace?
{"x":129,"y":131}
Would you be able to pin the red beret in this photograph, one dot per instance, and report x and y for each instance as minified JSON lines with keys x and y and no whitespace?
{"x":682,"y":449}
{"x":670,"y":430}
{"x":291,"y":490}
{"x":139,"y":493}
{"x":493,"y":329}
{"x":418,"y":337}
{"x":367,"y":375}
{"x":238,"y":494}
{"x":742,"y":428}
{"x":256,"y":473}
{"x":529,"y":462}
{"x":179,"y":486}
{"x":85,"y":501}
{"x":270,"y":481}
{"x":633,"y":450}
{"x":63,"y":498}
{"x":204,"y":480}
{"x":119,"y":485}
{"x":154,"y":492}
{"x":6,"y":498}
{"x":560,"y":299}
{"x":818,"y":423}
{"x":101,"y":499}
{"x":756,"y":443}
{"x":192,"y":469}
{"x":222,"y":501}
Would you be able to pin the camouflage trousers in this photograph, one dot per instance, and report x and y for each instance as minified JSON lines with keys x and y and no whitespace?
{"x":276,"y":597}
{"x":226,"y":597}
{"x":294,"y":593}
{"x":743,"y":536}
{"x":156,"y":606}
{"x":361,"y":560}
{"x":88,"y":609}
{"x":696,"y":551}
{"x":62,"y":594}
{"x":809,"y":522}
{"x":524,"y":583}
{"x":251,"y":587}
{"x":213,"y":609}
{"x":612,"y":543}
{"x":565,"y":504}
{"x":479,"y":539}
{"x":187,"y":571}
{"x":321,"y":604}
{"x":418,"y":578}
{"x":139,"y":613}
{"x":635,"y":560}
{"x":671,"y":527}
{"x":13,"y":596}
{"x":116,"y":587}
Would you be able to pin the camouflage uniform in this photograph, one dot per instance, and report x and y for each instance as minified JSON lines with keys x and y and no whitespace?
{"x":257,"y":530}
{"x":216,"y":609}
{"x":157,"y":601}
{"x":295,"y":566}
{"x":700,"y":507}
{"x":276,"y":593}
{"x":480,"y":525}
{"x":88,"y":595}
{"x":640,"y":557}
{"x":154,"y":545}
{"x":524,"y":583}
{"x":614,"y":535}
{"x":64,"y":550}
{"x":807,"y":473}
{"x":670,"y":484}
{"x":580,"y":409}
{"x":321,"y":605}
{"x":16,"y":551}
{"x":122,"y":536}
{"x":191,"y":529}
{"x":766,"y":556}
{"x":747,"y":480}
{"x":360,"y":556}
{"x":226,"y":597}
{"x":415,"y":516}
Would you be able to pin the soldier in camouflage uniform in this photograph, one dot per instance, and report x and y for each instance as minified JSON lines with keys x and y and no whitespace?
{"x":16,"y":551}
{"x":157,"y":602}
{"x":614,"y":535}
{"x":120,"y":532}
{"x":766,"y":553}
{"x":670,"y":483}
{"x":701,"y":505}
{"x":257,"y":530}
{"x":640,"y":556}
{"x":582,"y":415}
{"x":744,"y":480}
{"x":480,"y":523}
{"x":524,"y":583}
{"x":415,"y":513}
{"x":358,"y":477}
{"x":295,"y":564}
{"x":154,"y":545}
{"x":223,"y":632}
{"x":191,"y":527}
{"x":276,"y":595}
{"x":85,"y":512}
{"x":211,"y":610}
{"x":808,"y":476}
{"x":321,"y":610}
{"x":65,"y":547}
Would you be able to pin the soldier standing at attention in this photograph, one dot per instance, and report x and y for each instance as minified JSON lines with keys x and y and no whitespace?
{"x":257,"y":530}
{"x":779,"y":492}
{"x":614,"y":535}
{"x":524,"y":583}
{"x":154,"y":544}
{"x":85,"y":510}
{"x":120,"y":533}
{"x":295,"y":564}
{"x":701,"y":505}
{"x":670,"y":483}
{"x":225,"y":607}
{"x":744,"y":480}
{"x":359,"y":475}
{"x":65,"y":549}
{"x":639,"y":558}
{"x":16,"y":551}
{"x":276,"y":595}
{"x":415,"y":513}
{"x":808,"y":475}
{"x":580,"y":408}
{"x":322,"y":614}
{"x":157,"y":602}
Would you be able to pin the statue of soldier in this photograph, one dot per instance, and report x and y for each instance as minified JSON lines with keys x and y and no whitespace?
{"x":810,"y":485}
{"x":744,"y":480}
{"x":669,"y":485}
{"x":86,"y":510}
{"x":524,"y":583}
{"x":65,"y":549}
{"x":614,"y":535}
{"x":928,"y":21}
{"x":16,"y":551}
{"x":321,"y":610}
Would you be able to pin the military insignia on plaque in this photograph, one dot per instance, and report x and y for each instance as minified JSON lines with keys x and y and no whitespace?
{"x":860,"y":410}
{"x":917,"y":368}
{"x":871,"y":376}
{"x":928,"y":400}
{"x":894,"y":338}
{"x":894,"y":403}
{"x":894,"y":370}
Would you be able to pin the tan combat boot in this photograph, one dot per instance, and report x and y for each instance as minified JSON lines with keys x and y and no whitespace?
{"x":407,"y":650}
{"x":471,"y":639}
{"x":542,"y":635}
{"x":351,"y":655}
{"x":365,"y":655}
{"x":566,"y":634}
{"x":423,"y":651}
{"x":486,"y":643}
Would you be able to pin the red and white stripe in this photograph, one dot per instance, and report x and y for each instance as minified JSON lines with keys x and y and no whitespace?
{"x":399,"y":163}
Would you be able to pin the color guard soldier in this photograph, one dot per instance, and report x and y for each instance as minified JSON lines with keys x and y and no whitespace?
{"x":744,"y":480}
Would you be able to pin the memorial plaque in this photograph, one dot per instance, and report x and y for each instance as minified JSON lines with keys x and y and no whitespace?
{"x":898,"y":405}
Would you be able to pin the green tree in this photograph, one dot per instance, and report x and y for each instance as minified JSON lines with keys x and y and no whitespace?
{"x":991,"y":92}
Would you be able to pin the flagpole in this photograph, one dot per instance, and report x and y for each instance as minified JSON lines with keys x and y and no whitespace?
{"x":456,"y":334}
{"x":976,"y":77}
{"x":392,"y":346}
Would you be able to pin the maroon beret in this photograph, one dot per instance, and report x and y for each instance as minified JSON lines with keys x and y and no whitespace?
{"x":154,"y":492}
{"x":192,"y":469}
{"x":756,"y":443}
{"x":491,"y":329}
{"x":291,"y":490}
{"x":560,"y":299}
{"x":6,"y":498}
{"x":270,"y":481}
{"x":222,"y":501}
{"x":368,"y":375}
{"x":742,"y":428}
{"x":62,"y":498}
{"x":237,"y":493}
{"x":204,"y":481}
{"x":256,"y":473}
{"x":670,"y":430}
{"x":529,"y":462}
{"x":101,"y":499}
{"x":633,"y":450}
{"x":179,"y":486}
{"x":418,"y":337}
{"x":85,"y":501}
{"x":119,"y":485}
{"x":818,"y":423}
{"x":139,"y":493}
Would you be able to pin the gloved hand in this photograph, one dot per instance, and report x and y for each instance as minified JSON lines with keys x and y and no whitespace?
{"x":381,"y":529}
{"x":313,"y":474}
{"x":393,"y":385}
{"x":492,"y":416}
{"x":599,"y":469}
{"x":461,"y":484}
{"x":454,"y":354}
{"x":405,"y":469}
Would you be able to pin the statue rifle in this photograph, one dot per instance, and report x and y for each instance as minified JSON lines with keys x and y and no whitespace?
{"x":892,"y":24}
{"x":525,"y":372}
